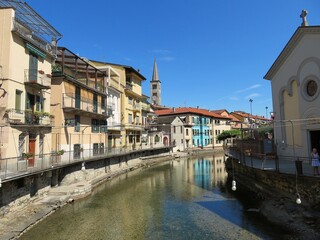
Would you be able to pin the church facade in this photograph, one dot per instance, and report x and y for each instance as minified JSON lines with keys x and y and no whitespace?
{"x":295,"y":82}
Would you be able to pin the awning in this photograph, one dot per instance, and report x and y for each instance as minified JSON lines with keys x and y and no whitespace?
{"x":35,"y":50}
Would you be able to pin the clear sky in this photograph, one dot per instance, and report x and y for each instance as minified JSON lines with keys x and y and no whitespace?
{"x":210,"y":53}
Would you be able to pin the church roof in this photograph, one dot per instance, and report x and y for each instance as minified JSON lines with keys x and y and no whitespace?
{"x":155,"y":75}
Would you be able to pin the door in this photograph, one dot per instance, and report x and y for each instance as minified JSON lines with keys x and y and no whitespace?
{"x":33,"y":67}
{"x":77,"y":97}
{"x":32,"y":150}
{"x":314,"y":140}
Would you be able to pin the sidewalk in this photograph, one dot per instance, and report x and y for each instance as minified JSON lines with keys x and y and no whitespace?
{"x":285,"y":165}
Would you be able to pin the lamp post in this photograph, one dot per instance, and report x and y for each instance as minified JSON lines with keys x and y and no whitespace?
{"x":266,"y":112}
{"x":250,"y":100}
{"x":272,"y":115}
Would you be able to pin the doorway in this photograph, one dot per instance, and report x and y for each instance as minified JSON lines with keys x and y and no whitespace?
{"x":32,"y":150}
{"x":315,"y":140}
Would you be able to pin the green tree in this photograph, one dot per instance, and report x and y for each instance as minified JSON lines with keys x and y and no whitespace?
{"x":228,"y":134}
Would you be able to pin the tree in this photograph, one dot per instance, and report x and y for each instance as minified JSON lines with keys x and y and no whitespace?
{"x":228,"y":134}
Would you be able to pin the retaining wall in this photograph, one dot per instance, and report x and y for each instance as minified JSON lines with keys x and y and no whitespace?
{"x":19,"y":192}
{"x":271,"y":182}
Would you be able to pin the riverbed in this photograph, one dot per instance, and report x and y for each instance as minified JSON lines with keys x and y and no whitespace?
{"x":178,"y":199}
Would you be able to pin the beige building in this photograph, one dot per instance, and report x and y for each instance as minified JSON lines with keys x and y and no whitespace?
{"x":79,"y":107}
{"x":26,"y":54}
{"x":295,"y":81}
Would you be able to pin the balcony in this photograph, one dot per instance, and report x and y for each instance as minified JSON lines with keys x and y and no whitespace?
{"x":37,"y":79}
{"x":129,"y":86}
{"x":136,"y":107}
{"x":133,"y":126}
{"x":82,"y":105}
{"x":145,"y":107}
{"x":28,"y":117}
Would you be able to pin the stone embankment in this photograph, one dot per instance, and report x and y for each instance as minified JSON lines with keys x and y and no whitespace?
{"x":75,"y":185}
{"x":277,"y":194}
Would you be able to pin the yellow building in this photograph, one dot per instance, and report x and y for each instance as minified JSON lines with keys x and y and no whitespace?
{"x":128,"y":83}
{"x":26,"y":54}
{"x":79,"y":106}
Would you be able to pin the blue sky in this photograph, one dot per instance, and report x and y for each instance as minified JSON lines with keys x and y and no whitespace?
{"x":212,"y":54}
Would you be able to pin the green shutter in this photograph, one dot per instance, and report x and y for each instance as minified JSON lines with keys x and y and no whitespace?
{"x":35,"y":50}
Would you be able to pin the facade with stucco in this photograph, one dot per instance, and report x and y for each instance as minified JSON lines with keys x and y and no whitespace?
{"x":295,"y":82}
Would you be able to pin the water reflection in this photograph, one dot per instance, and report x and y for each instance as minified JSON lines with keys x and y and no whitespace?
{"x":181,"y":199}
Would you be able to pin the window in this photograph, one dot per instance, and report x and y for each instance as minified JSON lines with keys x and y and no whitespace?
{"x":182,"y":141}
{"x":76,"y":151}
{"x":130,"y":100}
{"x":103,"y":126}
{"x":154,"y":86}
{"x":33,"y":67}
{"x":95,"y":126}
{"x":138,"y":138}
{"x":41,"y":140}
{"x":39,"y":104}
{"x":187,"y":132}
{"x":137,"y":119}
{"x":130,"y":137}
{"x":154,"y":94}
{"x":101,"y":148}
{"x":18,"y":100}
{"x":130,"y":118}
{"x":174,"y":129}
{"x":77,"y":123}
{"x":180,"y":129}
{"x":95,"y":149}
{"x":95,"y":103}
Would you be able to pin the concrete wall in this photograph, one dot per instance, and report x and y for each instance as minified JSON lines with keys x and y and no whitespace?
{"x":268,"y":182}
{"x":19,"y":192}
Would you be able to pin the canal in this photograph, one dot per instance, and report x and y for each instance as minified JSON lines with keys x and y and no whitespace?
{"x":179,"y":199}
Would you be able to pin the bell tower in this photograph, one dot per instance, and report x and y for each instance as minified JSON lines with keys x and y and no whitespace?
{"x":155,"y":86}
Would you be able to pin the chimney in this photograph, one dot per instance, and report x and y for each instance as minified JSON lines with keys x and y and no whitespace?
{"x":173,"y":109}
{"x":197,"y":107}
{"x":54,"y":41}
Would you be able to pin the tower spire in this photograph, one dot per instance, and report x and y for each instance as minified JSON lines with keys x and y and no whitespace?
{"x":155,"y":76}
{"x":155,"y":86}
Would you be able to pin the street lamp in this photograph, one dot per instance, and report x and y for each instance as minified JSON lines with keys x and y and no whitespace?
{"x":250,"y":100}
{"x":266,"y":112}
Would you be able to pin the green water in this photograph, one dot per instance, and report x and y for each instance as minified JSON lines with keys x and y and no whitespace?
{"x":185,"y":199}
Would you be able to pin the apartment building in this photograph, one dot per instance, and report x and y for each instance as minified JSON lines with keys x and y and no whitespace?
{"x":79,"y":106}
{"x":115,"y":92}
{"x":201,"y":126}
{"x":27,"y":50}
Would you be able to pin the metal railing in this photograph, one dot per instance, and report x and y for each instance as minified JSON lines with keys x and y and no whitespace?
{"x":84,"y":104}
{"x":271,"y":162}
{"x":38,"y":77}
{"x":28,"y":117}
{"x":17,"y":166}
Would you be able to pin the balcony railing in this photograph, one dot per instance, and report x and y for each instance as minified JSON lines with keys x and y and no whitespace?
{"x":129,"y":86}
{"x":37,"y":78}
{"x":21,"y":117}
{"x":82,"y":104}
{"x":136,"y":107}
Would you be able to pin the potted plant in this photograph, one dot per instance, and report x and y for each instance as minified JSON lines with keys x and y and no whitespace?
{"x":27,"y":155}
{"x":60,"y":152}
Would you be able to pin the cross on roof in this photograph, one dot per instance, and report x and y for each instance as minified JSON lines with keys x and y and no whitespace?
{"x":303,"y":15}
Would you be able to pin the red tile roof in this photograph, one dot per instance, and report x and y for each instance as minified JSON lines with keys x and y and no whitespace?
{"x":199,"y":111}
